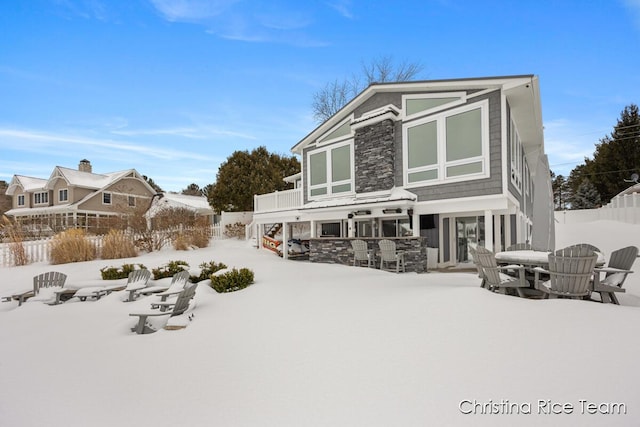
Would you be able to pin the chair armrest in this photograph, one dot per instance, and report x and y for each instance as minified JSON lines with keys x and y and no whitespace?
{"x":511,"y":267}
{"x":610,"y":270}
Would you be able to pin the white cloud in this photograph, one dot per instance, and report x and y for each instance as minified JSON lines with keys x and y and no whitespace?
{"x":342,"y":7}
{"x":192,"y":10}
{"x":634,"y":7}
{"x":30,"y":141}
{"x":568,"y":142}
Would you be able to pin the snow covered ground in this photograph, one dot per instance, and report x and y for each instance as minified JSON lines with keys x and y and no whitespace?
{"x":324,"y":345}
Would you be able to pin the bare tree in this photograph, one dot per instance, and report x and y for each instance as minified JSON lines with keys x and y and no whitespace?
{"x":336,"y":94}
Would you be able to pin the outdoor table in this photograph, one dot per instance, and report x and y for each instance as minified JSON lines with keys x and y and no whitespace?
{"x":531,"y":258}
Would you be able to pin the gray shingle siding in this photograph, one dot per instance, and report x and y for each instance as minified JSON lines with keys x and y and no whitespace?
{"x":479,"y":187}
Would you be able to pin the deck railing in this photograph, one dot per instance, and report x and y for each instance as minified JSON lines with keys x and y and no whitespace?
{"x":278,"y":200}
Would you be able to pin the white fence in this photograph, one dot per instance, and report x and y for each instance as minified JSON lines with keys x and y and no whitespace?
{"x":40,"y":250}
{"x":624,"y":208}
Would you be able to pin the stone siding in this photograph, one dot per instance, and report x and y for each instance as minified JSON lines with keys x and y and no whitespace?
{"x":374,"y":153}
{"x":339,"y":251}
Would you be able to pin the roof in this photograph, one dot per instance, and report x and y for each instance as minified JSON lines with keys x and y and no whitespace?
{"x":89,"y":180}
{"x":198,"y":204}
{"x":27,"y":183}
{"x":394,"y":195}
{"x":521,"y":90}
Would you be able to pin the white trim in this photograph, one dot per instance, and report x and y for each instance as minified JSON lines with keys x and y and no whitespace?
{"x":24,"y":198}
{"x":60,"y":190}
{"x":461,"y":95}
{"x":104,"y":193}
{"x":41,"y":194}
{"x":441,"y":165}
{"x":350,"y":135}
{"x":329,"y":183}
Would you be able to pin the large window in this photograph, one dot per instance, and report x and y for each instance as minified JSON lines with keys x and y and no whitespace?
{"x":450,"y":146}
{"x":63,"y":195}
{"x":21,"y":200}
{"x":330,"y":170}
{"x":41,"y":198}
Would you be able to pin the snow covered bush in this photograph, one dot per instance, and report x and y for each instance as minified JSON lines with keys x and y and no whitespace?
{"x":114,"y":273}
{"x":235,"y":230}
{"x":206,"y":270}
{"x":169,"y":269}
{"x":233,"y":280}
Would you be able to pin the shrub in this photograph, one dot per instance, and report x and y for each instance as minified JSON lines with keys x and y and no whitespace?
{"x":199,"y":237}
{"x":118,"y":244}
{"x":233,"y":280}
{"x":169,"y":269}
{"x":16,"y":239}
{"x":236,"y":230}
{"x":71,"y":246}
{"x":114,"y":273}
{"x":207,"y":269}
{"x":181,"y":242}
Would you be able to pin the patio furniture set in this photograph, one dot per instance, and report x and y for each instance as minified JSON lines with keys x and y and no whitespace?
{"x":389,"y":257}
{"x":576,"y":272}
{"x":175,"y":298}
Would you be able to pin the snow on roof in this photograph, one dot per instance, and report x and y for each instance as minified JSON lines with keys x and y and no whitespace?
{"x":87,"y":179}
{"x":198,"y":204}
{"x":28,"y":183}
{"x":396,"y":194}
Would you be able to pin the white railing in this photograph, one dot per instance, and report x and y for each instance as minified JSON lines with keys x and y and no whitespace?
{"x":279,"y":200}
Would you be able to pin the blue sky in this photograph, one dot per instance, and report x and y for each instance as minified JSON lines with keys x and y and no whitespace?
{"x":173,"y":87}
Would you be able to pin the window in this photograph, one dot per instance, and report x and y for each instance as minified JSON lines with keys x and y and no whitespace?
{"x":396,"y":227}
{"x":21,"y":200}
{"x":450,"y":146}
{"x":63,"y":195}
{"x":106,"y":198}
{"x":364,"y":228}
{"x":41,"y":198}
{"x":337,"y":133}
{"x":330,"y":229}
{"x":132,"y":201}
{"x":330,"y":170}
{"x":423,"y":104}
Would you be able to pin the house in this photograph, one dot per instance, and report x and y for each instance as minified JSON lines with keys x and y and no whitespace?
{"x":439,"y":166}
{"x":76,"y":197}
{"x":197,"y":206}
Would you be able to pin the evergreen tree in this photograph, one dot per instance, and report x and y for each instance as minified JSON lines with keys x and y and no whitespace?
{"x":5,"y":201}
{"x":586,"y":197}
{"x":152,"y":184}
{"x":245,"y":174}
{"x":192,"y":190}
{"x":616,"y":157}
{"x":561,"y":191}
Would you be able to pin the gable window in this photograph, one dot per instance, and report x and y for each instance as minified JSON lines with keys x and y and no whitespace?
{"x":41,"y":198}
{"x":423,"y":104}
{"x":106,"y":198}
{"x":449,"y":146}
{"x":337,"y":133}
{"x":21,"y":200}
{"x":330,"y":170}
{"x":63,"y":195}
{"x":132,"y":201}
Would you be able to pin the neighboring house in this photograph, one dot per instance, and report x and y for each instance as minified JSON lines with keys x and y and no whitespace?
{"x":445,"y":164}
{"x":198,"y":205}
{"x":76,"y":198}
